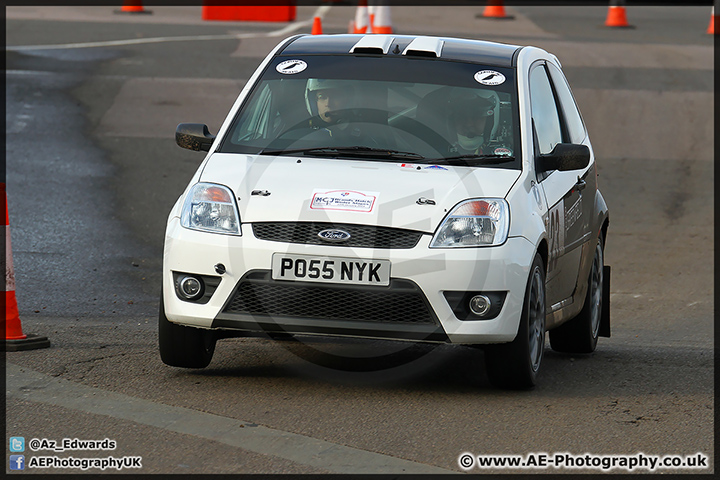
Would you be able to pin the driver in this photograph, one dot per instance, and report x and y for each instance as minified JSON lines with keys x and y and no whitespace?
{"x":328,"y":101}
{"x":471,"y":121}
{"x":333,"y":106}
{"x":336,"y":118}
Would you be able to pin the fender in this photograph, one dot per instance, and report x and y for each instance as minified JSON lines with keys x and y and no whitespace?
{"x":602,"y":214}
{"x":532,"y":209}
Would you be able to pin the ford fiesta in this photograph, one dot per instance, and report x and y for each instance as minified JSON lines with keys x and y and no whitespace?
{"x":406,"y":188}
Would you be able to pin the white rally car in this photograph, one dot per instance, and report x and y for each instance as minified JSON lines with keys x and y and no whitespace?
{"x":396,"y":187}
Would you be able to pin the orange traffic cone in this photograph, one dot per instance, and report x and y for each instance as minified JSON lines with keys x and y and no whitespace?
{"x":371,"y":14}
{"x":495,"y":10}
{"x":713,"y":21}
{"x":383,"y":23}
{"x":617,"y":17}
{"x":132,"y":6}
{"x":362,"y":19}
{"x":317,"y":26}
{"x":14,"y":338}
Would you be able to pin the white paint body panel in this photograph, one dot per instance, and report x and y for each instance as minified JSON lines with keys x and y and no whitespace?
{"x":434,"y":270}
{"x":291,"y":183}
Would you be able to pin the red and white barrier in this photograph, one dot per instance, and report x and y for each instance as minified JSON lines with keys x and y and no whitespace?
{"x":15,"y":339}
{"x":362,"y":18}
{"x":617,"y":16}
{"x":132,"y":6}
{"x":713,"y":21}
{"x":317,"y":26}
{"x":226,"y":11}
{"x":383,"y":22}
{"x":496,"y":10}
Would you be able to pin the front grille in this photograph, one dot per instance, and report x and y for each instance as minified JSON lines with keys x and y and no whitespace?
{"x":368,"y":236}
{"x":401,"y":302}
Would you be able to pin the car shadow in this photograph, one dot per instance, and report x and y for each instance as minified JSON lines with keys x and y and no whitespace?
{"x":460,"y":369}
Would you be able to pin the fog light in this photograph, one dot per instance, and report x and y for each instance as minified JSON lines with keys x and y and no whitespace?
{"x":480,"y":305}
{"x":190,"y":287}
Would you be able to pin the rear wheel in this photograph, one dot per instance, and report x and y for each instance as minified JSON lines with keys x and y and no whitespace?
{"x":516,"y":364}
{"x":580,"y":335}
{"x":182,"y":346}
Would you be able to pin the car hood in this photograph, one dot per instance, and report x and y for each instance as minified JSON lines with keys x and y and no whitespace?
{"x":288,"y":189}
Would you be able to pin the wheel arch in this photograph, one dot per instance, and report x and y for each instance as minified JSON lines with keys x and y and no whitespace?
{"x":542,"y":249}
{"x":602,"y":216}
{"x":604,"y":230}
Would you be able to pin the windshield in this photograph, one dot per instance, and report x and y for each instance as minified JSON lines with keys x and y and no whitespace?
{"x":381,"y":108}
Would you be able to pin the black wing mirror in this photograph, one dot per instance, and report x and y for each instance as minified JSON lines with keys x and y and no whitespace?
{"x":194,"y":136}
{"x":565,"y":156}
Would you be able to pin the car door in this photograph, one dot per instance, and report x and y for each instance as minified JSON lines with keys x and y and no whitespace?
{"x":584,"y":228}
{"x":564,"y":191}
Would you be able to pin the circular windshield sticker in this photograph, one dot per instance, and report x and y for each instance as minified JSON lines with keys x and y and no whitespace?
{"x":289,"y":67}
{"x":489,"y":77}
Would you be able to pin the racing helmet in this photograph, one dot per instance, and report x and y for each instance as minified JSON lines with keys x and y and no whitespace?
{"x":471,"y":103}
{"x":315,"y":84}
{"x":474,"y":104}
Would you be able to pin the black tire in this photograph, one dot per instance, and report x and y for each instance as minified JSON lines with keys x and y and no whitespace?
{"x":182,"y":346}
{"x":516,"y":364}
{"x":580,"y":335}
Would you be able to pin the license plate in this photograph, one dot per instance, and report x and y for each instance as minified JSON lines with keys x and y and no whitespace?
{"x":310,"y":268}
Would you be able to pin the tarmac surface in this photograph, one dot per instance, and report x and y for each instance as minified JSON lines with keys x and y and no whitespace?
{"x":92,"y":101}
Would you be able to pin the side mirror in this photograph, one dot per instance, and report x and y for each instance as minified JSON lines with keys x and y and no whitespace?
{"x":565,"y":156}
{"x":194,"y":136}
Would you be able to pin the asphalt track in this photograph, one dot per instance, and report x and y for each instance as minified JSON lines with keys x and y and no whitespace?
{"x":93,"y":99}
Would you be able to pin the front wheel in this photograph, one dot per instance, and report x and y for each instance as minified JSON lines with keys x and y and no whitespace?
{"x":580,"y":335}
{"x":516,"y":364}
{"x":182,"y":346}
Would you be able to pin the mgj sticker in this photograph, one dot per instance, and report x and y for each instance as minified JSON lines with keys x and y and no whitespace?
{"x":344,"y":200}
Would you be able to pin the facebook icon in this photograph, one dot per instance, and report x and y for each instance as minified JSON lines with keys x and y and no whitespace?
{"x":17,"y":462}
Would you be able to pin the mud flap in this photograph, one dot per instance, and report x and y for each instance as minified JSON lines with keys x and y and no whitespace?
{"x":604,"y":330}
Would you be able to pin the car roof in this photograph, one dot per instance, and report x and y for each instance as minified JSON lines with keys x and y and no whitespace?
{"x":445,"y":48}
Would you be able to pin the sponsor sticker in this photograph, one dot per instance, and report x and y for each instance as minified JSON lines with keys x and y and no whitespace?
{"x":502,"y":151}
{"x":555,"y":226}
{"x":290,"y":67}
{"x":344,"y":200}
{"x":489,"y":77}
{"x":434,"y":167}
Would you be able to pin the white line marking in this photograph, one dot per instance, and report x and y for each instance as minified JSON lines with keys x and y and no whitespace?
{"x":320,"y":12}
{"x":29,"y":72}
{"x":618,"y":294}
{"x":29,"y":385}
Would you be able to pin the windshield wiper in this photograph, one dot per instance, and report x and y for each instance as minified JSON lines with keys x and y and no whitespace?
{"x":472,"y":159}
{"x":357,"y":151}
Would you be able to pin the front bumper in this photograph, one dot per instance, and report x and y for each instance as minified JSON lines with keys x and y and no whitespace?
{"x":419,"y":275}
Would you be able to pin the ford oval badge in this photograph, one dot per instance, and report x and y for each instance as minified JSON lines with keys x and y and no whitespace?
{"x":334,"y":235}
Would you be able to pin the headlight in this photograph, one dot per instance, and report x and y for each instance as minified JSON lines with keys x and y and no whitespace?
{"x":211,"y":208}
{"x":474,"y":223}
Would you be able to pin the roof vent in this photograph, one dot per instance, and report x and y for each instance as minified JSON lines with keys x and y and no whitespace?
{"x":424,"y":47}
{"x":374,"y":44}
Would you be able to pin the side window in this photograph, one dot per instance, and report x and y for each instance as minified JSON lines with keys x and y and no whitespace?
{"x":255,"y":122}
{"x":573,"y":120}
{"x":544,"y":110}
